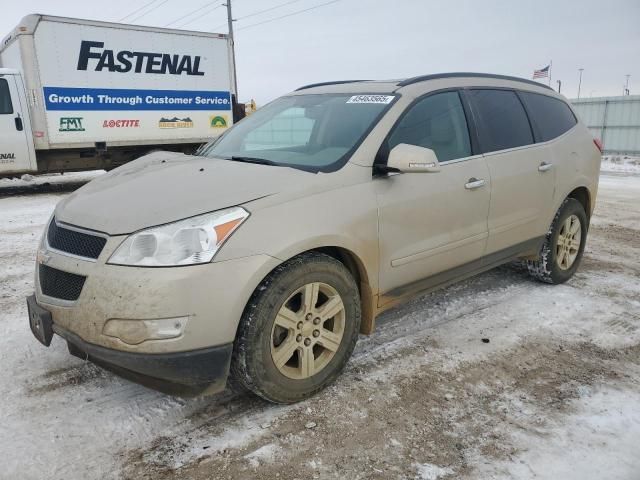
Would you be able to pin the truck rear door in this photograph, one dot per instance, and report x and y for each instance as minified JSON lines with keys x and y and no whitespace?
{"x":14,"y":147}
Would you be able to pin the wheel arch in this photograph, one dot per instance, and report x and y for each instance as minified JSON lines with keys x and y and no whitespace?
{"x":582,"y":195}
{"x":359,"y":272}
{"x":356,"y":266}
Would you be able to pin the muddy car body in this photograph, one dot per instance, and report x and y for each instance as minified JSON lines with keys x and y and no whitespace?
{"x":268,"y":252}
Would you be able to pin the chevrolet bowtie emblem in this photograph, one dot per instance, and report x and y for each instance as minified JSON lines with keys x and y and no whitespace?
{"x":42,"y":258}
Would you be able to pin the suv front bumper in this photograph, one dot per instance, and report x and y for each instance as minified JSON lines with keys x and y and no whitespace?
{"x":209,"y":299}
{"x":179,"y":372}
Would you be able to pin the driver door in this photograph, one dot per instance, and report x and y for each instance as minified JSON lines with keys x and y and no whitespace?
{"x":15,"y":154}
{"x":432,"y":226}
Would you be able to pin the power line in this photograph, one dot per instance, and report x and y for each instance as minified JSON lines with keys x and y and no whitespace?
{"x":267,"y":9}
{"x":206,"y":5}
{"x":258,"y":13}
{"x":138,"y":9}
{"x":253,"y":14}
{"x":289,"y":15}
{"x":199,"y":17}
{"x":148,"y":11}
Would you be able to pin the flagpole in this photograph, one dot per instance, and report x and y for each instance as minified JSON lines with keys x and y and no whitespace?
{"x":550,"y":63}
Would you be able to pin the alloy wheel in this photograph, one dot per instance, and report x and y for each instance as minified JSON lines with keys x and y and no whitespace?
{"x":568,"y":244}
{"x":308,"y":330}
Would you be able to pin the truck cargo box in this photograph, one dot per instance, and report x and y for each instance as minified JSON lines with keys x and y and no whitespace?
{"x":98,"y":85}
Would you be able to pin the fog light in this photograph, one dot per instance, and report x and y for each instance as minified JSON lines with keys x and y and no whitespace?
{"x":134,"y":332}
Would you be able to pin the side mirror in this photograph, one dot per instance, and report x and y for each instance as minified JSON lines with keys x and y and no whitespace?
{"x":407,"y":158}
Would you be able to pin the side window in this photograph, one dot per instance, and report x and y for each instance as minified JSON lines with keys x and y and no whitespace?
{"x":5,"y":98}
{"x":502,"y":121}
{"x":436,"y":122}
{"x":290,"y":128}
{"x":551,"y":117}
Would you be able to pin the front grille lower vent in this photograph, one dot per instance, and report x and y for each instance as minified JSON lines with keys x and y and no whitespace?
{"x":73,"y":242}
{"x":58,"y":284}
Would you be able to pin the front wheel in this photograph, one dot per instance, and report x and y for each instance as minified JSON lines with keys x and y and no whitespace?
{"x":563,"y":246}
{"x":298,"y":330}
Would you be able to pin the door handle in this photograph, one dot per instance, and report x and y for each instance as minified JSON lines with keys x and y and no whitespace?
{"x":544,"y":166}
{"x":474,"y":183}
{"x":19,"y":125}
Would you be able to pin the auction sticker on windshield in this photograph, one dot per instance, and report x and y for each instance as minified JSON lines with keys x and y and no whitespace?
{"x":371,"y":99}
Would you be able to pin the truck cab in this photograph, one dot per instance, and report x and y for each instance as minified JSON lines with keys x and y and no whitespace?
{"x":17,"y":154}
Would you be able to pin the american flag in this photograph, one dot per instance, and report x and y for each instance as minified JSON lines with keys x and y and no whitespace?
{"x":542,"y":73}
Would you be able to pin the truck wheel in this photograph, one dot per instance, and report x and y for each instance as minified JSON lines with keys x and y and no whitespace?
{"x":563,"y":246}
{"x":298,"y":330}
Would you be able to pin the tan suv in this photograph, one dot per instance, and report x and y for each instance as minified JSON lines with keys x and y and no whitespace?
{"x":267,"y":253}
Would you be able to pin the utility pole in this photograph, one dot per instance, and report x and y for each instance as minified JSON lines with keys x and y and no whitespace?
{"x":233,"y":46}
{"x":580,"y":81}
{"x":626,"y":86}
{"x":559,"y":85}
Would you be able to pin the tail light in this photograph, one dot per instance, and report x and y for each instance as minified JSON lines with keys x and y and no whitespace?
{"x":598,"y":143}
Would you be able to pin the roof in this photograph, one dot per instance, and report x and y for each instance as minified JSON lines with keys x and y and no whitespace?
{"x":436,"y":76}
{"x":29,"y":24}
{"x":393,"y":85}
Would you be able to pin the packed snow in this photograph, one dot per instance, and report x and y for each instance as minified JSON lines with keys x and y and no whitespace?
{"x":620,"y":164}
{"x":486,"y":415}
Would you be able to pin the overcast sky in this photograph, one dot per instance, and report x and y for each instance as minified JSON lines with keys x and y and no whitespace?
{"x":394,"y":39}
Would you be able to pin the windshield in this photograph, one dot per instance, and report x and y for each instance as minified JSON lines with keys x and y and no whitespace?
{"x":310,"y":132}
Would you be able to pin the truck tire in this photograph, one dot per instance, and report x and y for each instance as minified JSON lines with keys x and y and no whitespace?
{"x":298,"y":330}
{"x":563,"y":246}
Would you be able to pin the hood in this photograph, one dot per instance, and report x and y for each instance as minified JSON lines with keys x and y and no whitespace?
{"x":163,"y":187}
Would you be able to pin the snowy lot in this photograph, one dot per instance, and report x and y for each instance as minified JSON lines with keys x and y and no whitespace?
{"x":554,"y":394}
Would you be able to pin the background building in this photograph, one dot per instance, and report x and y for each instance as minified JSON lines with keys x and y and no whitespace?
{"x":614,"y":120}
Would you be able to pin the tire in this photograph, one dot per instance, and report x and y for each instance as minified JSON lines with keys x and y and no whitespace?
{"x":553,"y":265}
{"x":268,"y":329}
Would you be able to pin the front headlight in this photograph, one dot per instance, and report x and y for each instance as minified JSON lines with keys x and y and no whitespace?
{"x":186,"y":242}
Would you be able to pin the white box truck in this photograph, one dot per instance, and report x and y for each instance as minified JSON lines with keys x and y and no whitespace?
{"x":80,"y":94}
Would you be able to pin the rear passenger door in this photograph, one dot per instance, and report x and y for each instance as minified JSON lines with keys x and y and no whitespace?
{"x":522,"y":174}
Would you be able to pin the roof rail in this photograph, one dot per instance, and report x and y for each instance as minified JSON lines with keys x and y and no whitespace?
{"x":424,"y":78}
{"x":322,"y":84}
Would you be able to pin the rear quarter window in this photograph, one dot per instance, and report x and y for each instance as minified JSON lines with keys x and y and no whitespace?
{"x":5,"y":98}
{"x":502,"y":120}
{"x":550,"y":116}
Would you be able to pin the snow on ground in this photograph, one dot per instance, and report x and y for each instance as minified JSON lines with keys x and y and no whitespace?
{"x":620,"y":163}
{"x":49,"y":178}
{"x":427,"y":471}
{"x":553,"y":394}
{"x":598,"y":440}
{"x":51,"y":182}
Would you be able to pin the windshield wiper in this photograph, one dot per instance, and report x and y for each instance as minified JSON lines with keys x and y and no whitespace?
{"x":259,"y":161}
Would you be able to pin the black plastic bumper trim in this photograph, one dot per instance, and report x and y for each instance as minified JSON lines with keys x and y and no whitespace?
{"x":195,"y":368}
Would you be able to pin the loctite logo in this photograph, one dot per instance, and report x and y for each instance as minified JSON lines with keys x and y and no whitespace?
{"x":139,"y":62}
{"x":121,"y":124}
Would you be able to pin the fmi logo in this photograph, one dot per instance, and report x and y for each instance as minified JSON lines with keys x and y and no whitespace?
{"x":7,"y":156}
{"x":71,"y":124}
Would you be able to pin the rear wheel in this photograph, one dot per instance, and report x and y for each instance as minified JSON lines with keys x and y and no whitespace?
{"x":564,"y":244}
{"x":298,"y":330}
